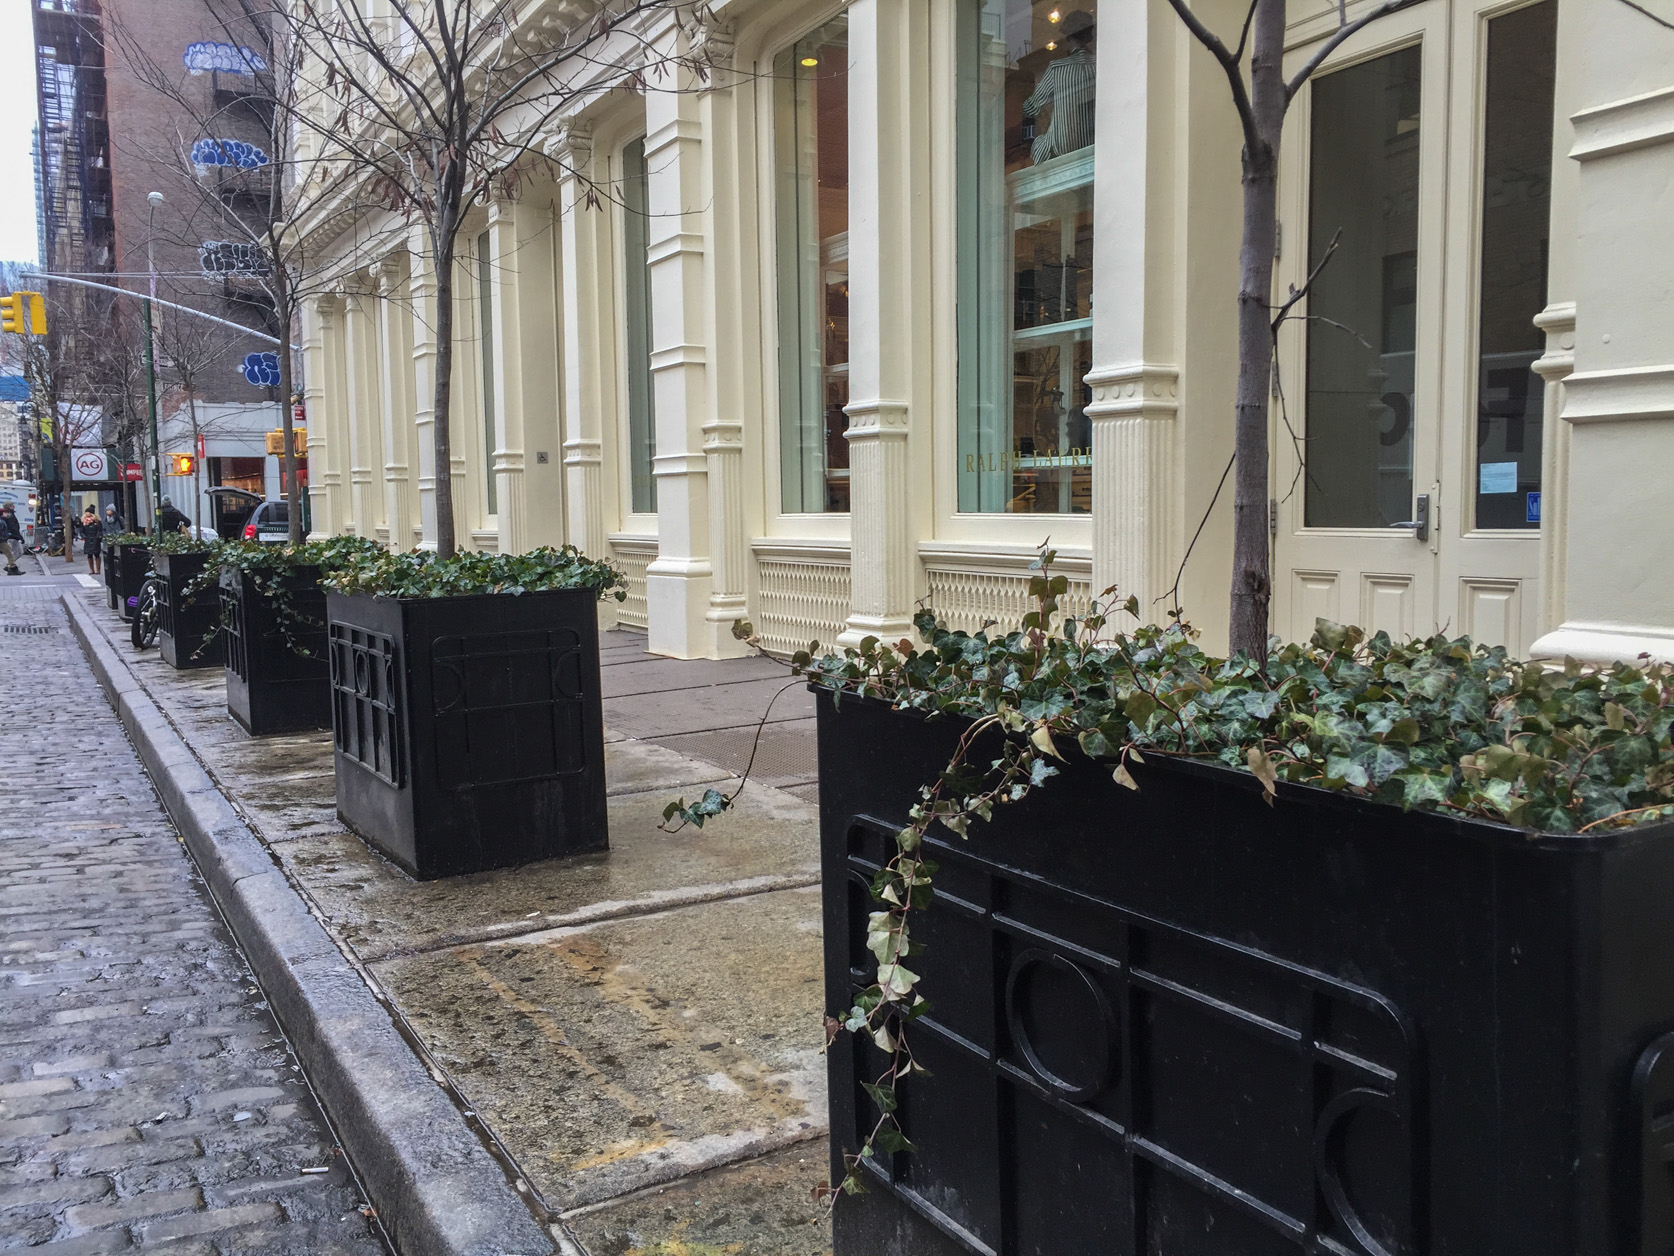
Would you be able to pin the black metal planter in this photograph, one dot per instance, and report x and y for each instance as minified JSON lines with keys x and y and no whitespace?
{"x":108,"y":553}
{"x":278,"y":675}
{"x":1182,"y":1021}
{"x":469,"y":732}
{"x":129,"y":565}
{"x":188,"y":625}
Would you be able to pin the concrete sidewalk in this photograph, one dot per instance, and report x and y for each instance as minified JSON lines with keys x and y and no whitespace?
{"x":636,"y":1035}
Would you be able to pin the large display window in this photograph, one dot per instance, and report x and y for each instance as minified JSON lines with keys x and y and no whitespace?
{"x":1026,"y":100}
{"x":811,"y":125}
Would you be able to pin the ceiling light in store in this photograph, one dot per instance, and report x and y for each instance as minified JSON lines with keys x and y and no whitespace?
{"x":1053,"y":16}
{"x":810,"y":61}
{"x":1051,"y":45}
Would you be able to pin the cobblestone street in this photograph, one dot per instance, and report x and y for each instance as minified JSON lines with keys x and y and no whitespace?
{"x":147,"y":1099}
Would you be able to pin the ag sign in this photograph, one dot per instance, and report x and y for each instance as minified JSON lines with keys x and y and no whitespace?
{"x":90,"y":464}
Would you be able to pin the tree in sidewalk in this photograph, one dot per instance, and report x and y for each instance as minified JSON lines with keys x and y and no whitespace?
{"x":188,"y":349}
{"x":1262,"y":95}
{"x":438,"y":105}
{"x":245,"y":168}
{"x":62,"y":370}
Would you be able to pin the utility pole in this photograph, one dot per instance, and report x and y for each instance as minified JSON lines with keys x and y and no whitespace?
{"x":153,"y":199}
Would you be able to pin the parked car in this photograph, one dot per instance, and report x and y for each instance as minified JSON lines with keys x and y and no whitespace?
{"x":270,"y":523}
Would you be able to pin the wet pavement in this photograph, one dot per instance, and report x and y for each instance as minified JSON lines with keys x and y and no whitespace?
{"x":147,"y":1099}
{"x":639,"y":1030}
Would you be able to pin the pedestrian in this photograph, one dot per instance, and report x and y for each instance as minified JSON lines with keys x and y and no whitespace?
{"x":11,"y":538}
{"x":171,"y":519}
{"x":113,"y":522}
{"x":92,"y":540}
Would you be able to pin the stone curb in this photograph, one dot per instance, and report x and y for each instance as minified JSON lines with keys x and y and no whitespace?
{"x":437,"y":1189}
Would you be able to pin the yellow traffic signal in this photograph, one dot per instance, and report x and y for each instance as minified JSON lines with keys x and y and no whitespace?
{"x":182,"y":464}
{"x":276,"y":441}
{"x":23,"y":312}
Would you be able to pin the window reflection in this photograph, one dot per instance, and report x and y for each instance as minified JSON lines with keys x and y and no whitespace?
{"x":642,"y":410}
{"x":1026,"y":104}
{"x":1516,"y":212}
{"x":812,"y":135}
{"x":1362,"y":328}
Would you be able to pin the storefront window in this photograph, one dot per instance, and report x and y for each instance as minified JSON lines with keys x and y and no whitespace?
{"x":485,"y":327}
{"x":1025,"y":205}
{"x":811,"y":120}
{"x":1516,"y":212}
{"x":642,"y":412}
{"x":1362,"y":330}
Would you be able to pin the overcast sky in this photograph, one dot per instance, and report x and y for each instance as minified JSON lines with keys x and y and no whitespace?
{"x":17,"y":118}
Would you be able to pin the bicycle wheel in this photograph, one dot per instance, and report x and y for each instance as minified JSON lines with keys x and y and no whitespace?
{"x":143,"y":631}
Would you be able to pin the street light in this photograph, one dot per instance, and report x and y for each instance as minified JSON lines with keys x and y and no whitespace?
{"x":153,"y":200}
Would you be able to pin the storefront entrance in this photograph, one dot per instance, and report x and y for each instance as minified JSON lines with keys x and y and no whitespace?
{"x":1407,"y":439}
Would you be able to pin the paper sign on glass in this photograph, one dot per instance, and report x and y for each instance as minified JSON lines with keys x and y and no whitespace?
{"x":1498,"y":477}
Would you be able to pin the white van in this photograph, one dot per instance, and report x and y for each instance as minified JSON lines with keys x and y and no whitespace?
{"x":21,"y":494}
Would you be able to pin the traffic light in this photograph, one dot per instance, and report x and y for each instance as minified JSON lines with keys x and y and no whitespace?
{"x":276,"y":441}
{"x":182,"y":464}
{"x":23,"y":312}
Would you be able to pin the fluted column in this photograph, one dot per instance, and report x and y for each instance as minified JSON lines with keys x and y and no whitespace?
{"x":679,"y":579}
{"x":421,"y":296}
{"x":1135,"y":514}
{"x":360,"y":355}
{"x":507,"y":457}
{"x":581,"y":229}
{"x":1134,"y":411}
{"x":723,"y":433}
{"x":321,"y":361}
{"x":395,"y":363}
{"x":889,"y":287}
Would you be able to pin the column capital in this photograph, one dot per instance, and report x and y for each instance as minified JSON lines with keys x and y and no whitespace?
{"x":1134,"y":390}
{"x":877,"y":419}
{"x":572,"y":148}
{"x":1558,"y":322}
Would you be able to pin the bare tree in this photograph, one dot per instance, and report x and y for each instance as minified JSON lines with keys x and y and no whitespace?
{"x":1262,"y":95}
{"x":63,"y":388}
{"x":251,"y":174}
{"x":188,"y":349}
{"x":436,"y":105}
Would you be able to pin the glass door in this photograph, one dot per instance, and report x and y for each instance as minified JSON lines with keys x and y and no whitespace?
{"x":1407,"y":447}
{"x":1355,"y":426}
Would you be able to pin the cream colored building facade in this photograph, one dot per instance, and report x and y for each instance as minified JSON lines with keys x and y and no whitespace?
{"x":905,"y":288}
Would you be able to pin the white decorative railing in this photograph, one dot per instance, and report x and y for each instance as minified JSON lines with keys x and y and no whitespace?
{"x":968,"y":590}
{"x":803,"y":595}
{"x":631,"y":556}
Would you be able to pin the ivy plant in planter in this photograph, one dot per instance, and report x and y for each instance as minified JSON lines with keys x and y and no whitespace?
{"x":1364,"y":949}
{"x":465,"y":706}
{"x":188,"y":618}
{"x":273,"y":620}
{"x":127,"y":562}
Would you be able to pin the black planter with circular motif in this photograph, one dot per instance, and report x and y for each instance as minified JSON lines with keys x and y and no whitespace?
{"x":1181,"y":1020}
{"x":469,"y":731}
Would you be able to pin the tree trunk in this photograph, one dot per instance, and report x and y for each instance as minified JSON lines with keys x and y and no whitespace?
{"x":197,"y":459}
{"x":293,"y":491}
{"x":65,"y":472}
{"x":1251,"y":557}
{"x":446,"y":544}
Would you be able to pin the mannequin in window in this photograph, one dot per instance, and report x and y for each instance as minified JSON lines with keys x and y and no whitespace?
{"x":1066,"y":87}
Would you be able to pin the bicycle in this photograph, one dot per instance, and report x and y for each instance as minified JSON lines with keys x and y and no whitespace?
{"x":142,"y":632}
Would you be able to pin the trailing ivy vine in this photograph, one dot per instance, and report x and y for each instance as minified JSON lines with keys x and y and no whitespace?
{"x":269,"y":571}
{"x":1440,"y":724}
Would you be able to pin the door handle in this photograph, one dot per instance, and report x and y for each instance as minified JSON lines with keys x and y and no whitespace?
{"x":1420,"y":522}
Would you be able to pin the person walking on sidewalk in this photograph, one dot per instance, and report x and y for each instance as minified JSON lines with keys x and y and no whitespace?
{"x":92,"y":540}
{"x":172,"y":519}
{"x":112,"y":522}
{"x":11,"y":539}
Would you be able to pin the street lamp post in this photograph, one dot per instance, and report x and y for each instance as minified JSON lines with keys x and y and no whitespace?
{"x":154,"y":199}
